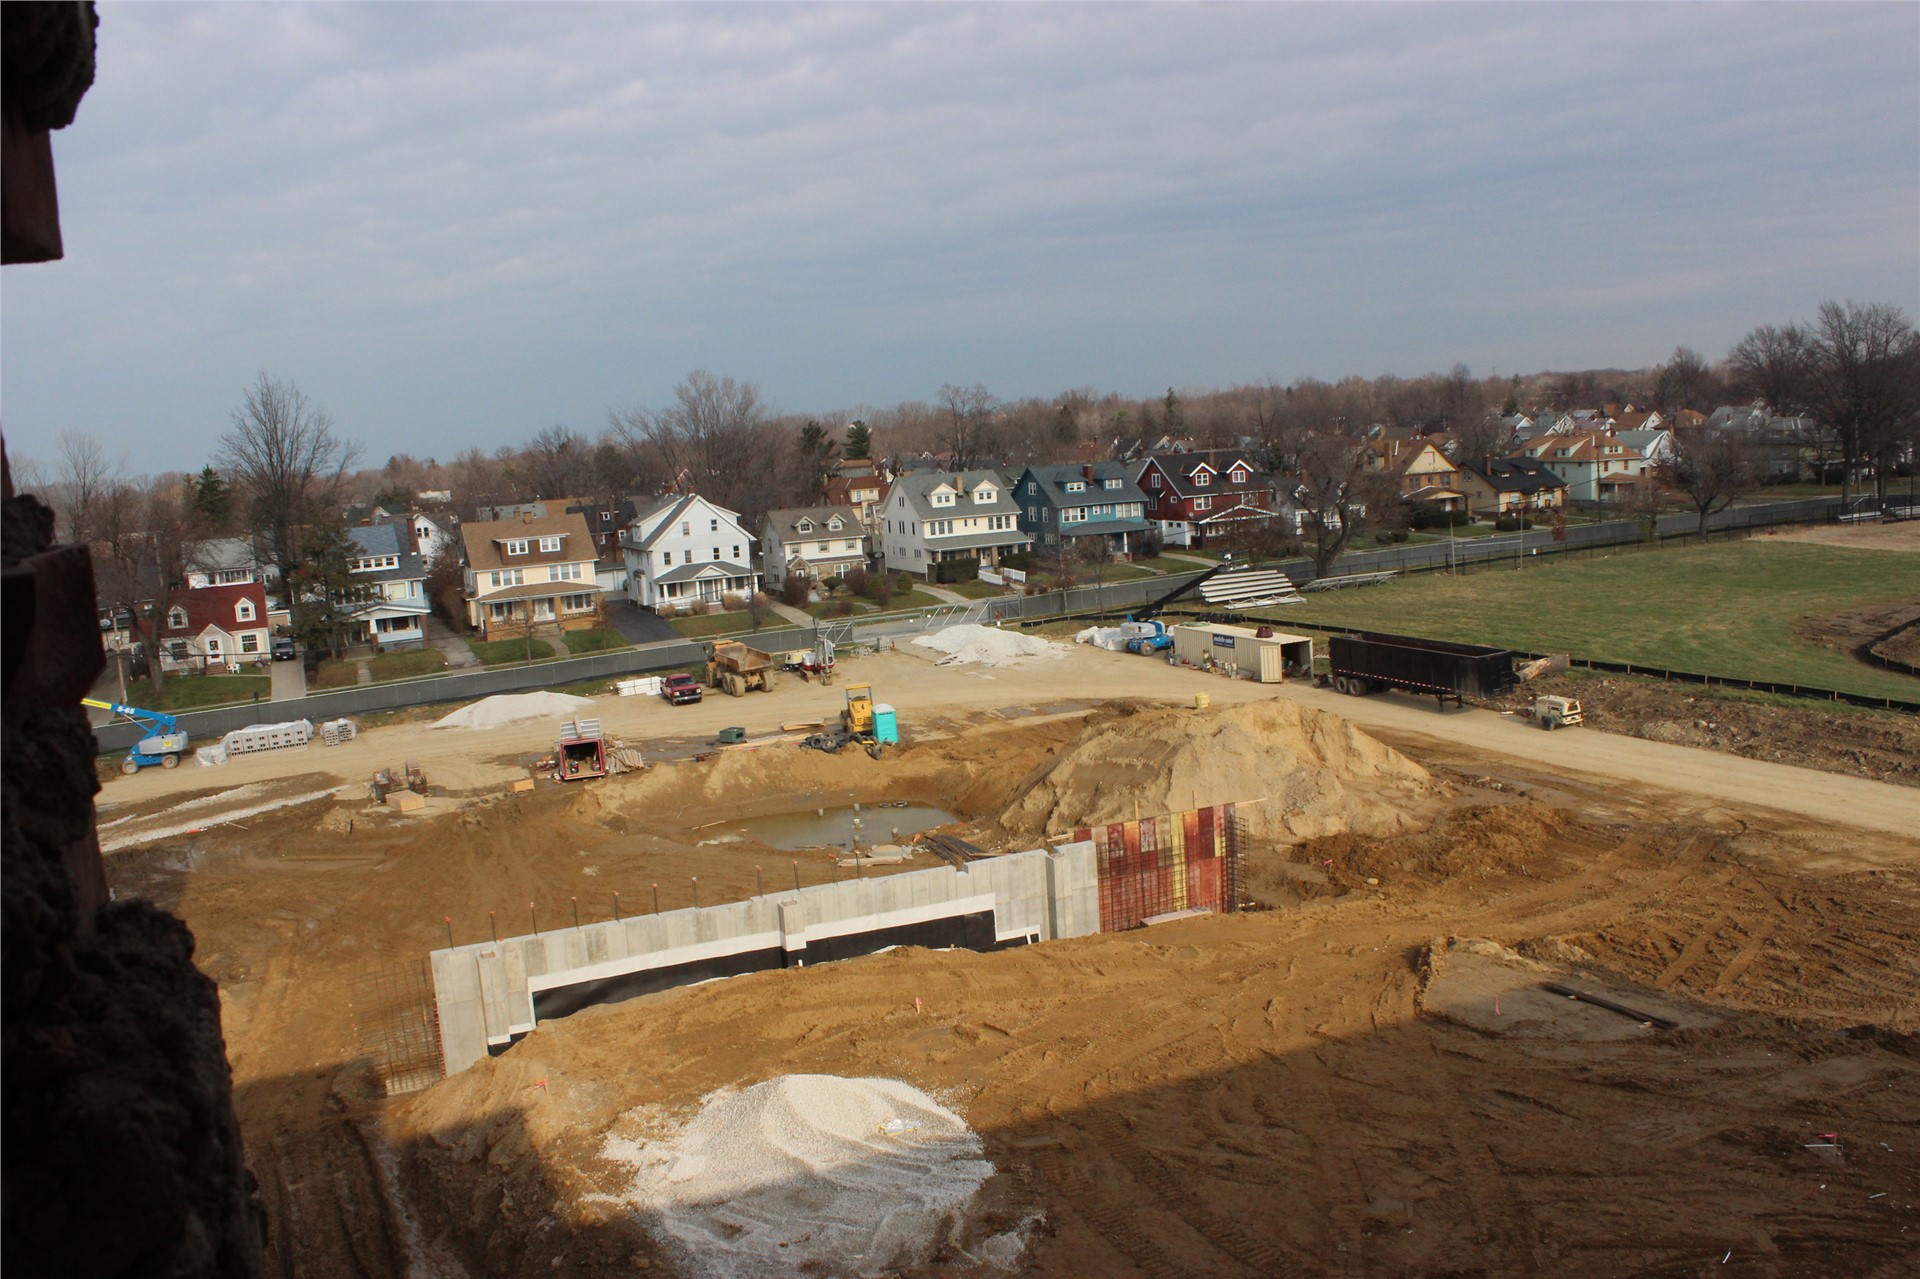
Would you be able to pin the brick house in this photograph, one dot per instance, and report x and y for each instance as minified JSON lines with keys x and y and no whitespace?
{"x":1193,"y":496}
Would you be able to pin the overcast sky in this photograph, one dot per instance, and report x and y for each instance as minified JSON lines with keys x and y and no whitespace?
{"x":454,"y":225}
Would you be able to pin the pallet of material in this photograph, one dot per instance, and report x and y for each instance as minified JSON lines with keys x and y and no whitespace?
{"x":268,"y":737}
{"x":406,"y":801}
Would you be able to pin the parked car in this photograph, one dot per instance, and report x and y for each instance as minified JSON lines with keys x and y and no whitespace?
{"x":681,"y":687}
{"x":284,"y":649}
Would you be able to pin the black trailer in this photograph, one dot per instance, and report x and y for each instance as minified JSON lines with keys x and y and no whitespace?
{"x":1449,"y":672}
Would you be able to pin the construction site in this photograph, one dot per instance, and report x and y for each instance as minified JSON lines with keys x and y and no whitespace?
{"x":1105,"y":964}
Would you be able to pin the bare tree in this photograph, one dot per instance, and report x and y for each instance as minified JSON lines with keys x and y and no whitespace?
{"x":1712,"y":466}
{"x":1865,"y":382}
{"x":147,"y":539}
{"x":714,"y":440}
{"x":1773,"y":365}
{"x":83,"y":477}
{"x":1686,"y":382}
{"x":287,"y":463}
{"x":558,"y":462}
{"x":969,"y":419}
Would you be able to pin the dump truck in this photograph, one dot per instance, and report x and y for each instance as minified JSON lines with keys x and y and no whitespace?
{"x":164,"y":743}
{"x":1360,"y":664}
{"x":581,"y":751}
{"x":738,"y":668}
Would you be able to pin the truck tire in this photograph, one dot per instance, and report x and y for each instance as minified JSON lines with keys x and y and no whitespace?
{"x":128,"y":767}
{"x":1357,"y":686}
{"x":170,"y":761}
{"x":1340,"y":683}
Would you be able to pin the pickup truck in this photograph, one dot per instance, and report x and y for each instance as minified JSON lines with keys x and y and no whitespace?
{"x":681,"y":687}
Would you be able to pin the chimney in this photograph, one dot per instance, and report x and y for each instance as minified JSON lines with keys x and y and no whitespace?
{"x":1086,"y":469}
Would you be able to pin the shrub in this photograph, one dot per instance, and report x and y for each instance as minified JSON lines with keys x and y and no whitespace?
{"x":1512,"y":523}
{"x":1424,"y":515}
{"x":1022,"y":560}
{"x":1389,"y":536}
{"x":840,"y":608}
{"x":857,"y":581}
{"x":733,"y":601}
{"x":795,"y":591}
{"x":694,"y":608}
{"x":880,"y":589}
{"x":1148,"y":545}
{"x":962,"y":570}
{"x":834,"y":583}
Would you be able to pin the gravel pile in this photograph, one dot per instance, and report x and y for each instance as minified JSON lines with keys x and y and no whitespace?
{"x":808,"y":1174}
{"x":973,"y":645}
{"x":511,"y":708}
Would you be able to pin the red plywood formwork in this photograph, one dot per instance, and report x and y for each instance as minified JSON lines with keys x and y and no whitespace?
{"x":1159,"y":865}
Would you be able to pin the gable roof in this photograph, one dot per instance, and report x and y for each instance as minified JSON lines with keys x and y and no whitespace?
{"x":658,"y":519}
{"x":1514,"y":475}
{"x":1053,"y":481}
{"x":215,"y":606}
{"x":918,"y":487}
{"x":483,"y":539}
{"x":1179,"y":468}
{"x":783,"y":522}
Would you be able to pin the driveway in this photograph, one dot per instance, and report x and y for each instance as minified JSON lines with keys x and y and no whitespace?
{"x":289,"y":680}
{"x":636,"y":625}
{"x":439,"y":635}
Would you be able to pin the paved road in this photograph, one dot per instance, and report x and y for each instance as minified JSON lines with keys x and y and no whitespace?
{"x":636,"y":625}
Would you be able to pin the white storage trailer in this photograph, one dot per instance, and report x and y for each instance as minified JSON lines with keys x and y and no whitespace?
{"x":1268,"y":658}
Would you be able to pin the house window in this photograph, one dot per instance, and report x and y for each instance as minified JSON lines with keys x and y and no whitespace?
{"x":500,"y":612}
{"x":213,"y":646}
{"x":716,"y":553}
{"x":736,"y":550}
{"x":804,"y":526}
{"x":1110,"y":484}
{"x":243,"y":611}
{"x":686,"y":528}
{"x":852,"y":545}
{"x":1076,"y":486}
{"x":835,"y":524}
{"x":943,"y":497}
{"x":577,"y":603}
{"x":606,"y":517}
{"x":509,"y":577}
{"x":713,"y":526}
{"x":1203,"y":504}
{"x":1032,"y":488}
{"x":666,"y":559}
{"x":177,"y":649}
{"x":550,"y":543}
{"x":1154,"y":479}
{"x":1201,"y":479}
{"x":1238,"y":477}
{"x":821,"y":548}
{"x":250,"y":642}
{"x":517,"y":546}
{"x":176,"y":619}
{"x":564,"y":573}
{"x":986,"y":496}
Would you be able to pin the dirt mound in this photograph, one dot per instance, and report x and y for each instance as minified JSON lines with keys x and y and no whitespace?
{"x":1496,"y":839}
{"x":1316,"y":772}
{"x":510,"y":708}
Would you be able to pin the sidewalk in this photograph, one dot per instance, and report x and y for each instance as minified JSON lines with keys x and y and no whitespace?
{"x":942,"y":593}
{"x":789,"y":613}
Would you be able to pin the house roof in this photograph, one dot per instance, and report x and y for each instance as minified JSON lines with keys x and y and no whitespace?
{"x":687,"y":572}
{"x":1054,"y":479}
{"x":1642,"y":439}
{"x":783,"y":522}
{"x":667,"y":509}
{"x":539,"y":591}
{"x":388,"y":539}
{"x":840,"y":488}
{"x":215,"y":606}
{"x":1514,"y":475}
{"x":484,"y":541}
{"x":1179,"y":468}
{"x":919,"y":487}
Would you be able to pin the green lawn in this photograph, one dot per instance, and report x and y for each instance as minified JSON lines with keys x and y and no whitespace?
{"x":1169,"y":564}
{"x":976,"y":589}
{"x":910,"y":600}
{"x":825,"y":608}
{"x":716,"y":623}
{"x":189,"y":692}
{"x":503,"y":652}
{"x":1461,"y":533}
{"x":599,"y":640}
{"x":332,"y":674}
{"x":408,"y":664}
{"x":1727,"y":609}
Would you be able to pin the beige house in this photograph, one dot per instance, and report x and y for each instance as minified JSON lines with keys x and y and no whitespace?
{"x":1424,"y":473}
{"x":531,"y":571}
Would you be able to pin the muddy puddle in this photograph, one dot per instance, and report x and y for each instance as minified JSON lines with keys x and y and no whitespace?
{"x":837,"y":827}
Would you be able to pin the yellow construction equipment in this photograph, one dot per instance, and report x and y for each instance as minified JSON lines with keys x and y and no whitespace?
{"x":737,"y":668}
{"x":858,"y":717}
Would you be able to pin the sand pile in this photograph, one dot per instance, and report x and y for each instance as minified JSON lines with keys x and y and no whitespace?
{"x":1318,"y":773}
{"x":973,"y":645}
{"x":808,"y":1174}
{"x":511,"y":708}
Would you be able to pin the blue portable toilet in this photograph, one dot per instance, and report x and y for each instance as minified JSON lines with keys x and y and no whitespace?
{"x":886,"y":729}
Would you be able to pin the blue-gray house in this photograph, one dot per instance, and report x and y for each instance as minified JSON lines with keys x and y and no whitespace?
{"x":1063,"y":506}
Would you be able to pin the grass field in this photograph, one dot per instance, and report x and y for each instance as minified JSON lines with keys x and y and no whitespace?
{"x":599,"y":640}
{"x":1727,"y":609}
{"x":504,"y":652}
{"x":332,"y":673}
{"x":407,"y":664}
{"x":189,"y":692}
{"x":713,"y":624}
{"x":976,"y":589}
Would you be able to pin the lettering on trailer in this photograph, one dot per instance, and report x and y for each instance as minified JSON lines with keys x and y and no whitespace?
{"x":1223,"y":641}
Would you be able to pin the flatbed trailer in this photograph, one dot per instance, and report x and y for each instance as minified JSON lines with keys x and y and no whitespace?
{"x":1360,"y":664}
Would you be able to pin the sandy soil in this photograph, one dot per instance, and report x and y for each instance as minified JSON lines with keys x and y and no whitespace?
{"x":1322,"y":1086}
{"x":1903,"y":535}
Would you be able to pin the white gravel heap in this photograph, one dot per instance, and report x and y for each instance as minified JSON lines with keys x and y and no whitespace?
{"x":808,"y":1174}
{"x":973,"y":645}
{"x":511,"y":708}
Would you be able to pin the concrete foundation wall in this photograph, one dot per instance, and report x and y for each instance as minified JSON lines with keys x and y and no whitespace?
{"x":485,"y":992}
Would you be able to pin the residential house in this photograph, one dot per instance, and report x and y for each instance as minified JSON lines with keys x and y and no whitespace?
{"x":1595,"y":467}
{"x":215,"y":628}
{"x":1510,"y":486}
{"x":813,"y":541}
{"x":681,"y":548}
{"x":1421,"y":470}
{"x":230,"y":561}
{"x":605,"y":520}
{"x":1192,"y":497}
{"x":393,"y":580}
{"x":1655,"y":443}
{"x":865,"y":492}
{"x":539,"y":508}
{"x":1063,"y":507}
{"x":931,"y":517}
{"x":432,"y":536}
{"x":530,"y":573}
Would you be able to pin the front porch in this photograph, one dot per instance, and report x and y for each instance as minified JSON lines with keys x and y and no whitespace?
{"x":545,"y":614}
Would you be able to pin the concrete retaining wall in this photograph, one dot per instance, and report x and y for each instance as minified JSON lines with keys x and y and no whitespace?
{"x":489,"y":993}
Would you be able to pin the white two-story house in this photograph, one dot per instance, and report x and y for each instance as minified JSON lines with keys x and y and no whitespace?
{"x":813,"y":541}
{"x":392,"y":609}
{"x":934,"y":516}
{"x":530,"y":572}
{"x":681,"y":548}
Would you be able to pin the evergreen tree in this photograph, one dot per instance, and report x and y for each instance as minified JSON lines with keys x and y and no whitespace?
{"x":859,"y":441}
{"x":210,"y":497}
{"x":1176,"y":416}
{"x":327,"y":594}
{"x":817,"y":454}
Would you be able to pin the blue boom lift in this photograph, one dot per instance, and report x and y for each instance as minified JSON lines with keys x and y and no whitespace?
{"x":164,"y":743}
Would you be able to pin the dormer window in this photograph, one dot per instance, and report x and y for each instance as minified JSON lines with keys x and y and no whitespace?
{"x":516,"y":546}
{"x":1076,"y":486}
{"x":1239,"y":476}
{"x":986,"y":495}
{"x":804,"y":526}
{"x":176,"y":619}
{"x":1202,"y":478}
{"x":549,"y":544}
{"x":243,"y":611}
{"x":1109,"y":484}
{"x":835,"y":524}
{"x":943,"y":497}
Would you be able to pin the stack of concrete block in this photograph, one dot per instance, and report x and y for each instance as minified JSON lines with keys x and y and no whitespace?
{"x":268,"y":737}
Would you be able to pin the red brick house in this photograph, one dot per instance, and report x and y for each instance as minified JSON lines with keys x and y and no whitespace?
{"x":1194,"y":496}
